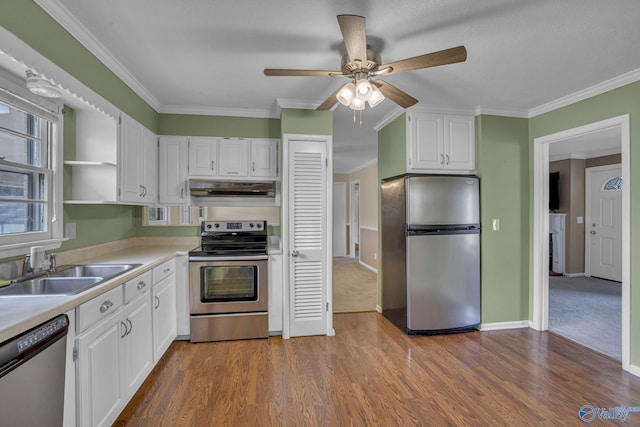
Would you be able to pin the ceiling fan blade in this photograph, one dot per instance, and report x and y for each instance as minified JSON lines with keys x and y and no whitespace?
{"x":355,"y":37}
{"x":443,"y":57}
{"x":401,"y":98}
{"x":329,"y":102}
{"x":285,"y":72}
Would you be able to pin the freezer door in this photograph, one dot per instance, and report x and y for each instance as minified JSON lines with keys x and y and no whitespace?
{"x":443,"y":200}
{"x":443,"y":282}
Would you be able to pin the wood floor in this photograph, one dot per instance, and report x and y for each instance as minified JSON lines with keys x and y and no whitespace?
{"x":370,"y":374}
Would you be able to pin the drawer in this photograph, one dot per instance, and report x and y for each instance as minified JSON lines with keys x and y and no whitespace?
{"x":164,"y":270}
{"x":136,"y":286}
{"x":99,"y":308}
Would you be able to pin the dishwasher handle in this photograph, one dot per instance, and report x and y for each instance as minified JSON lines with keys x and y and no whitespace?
{"x":17,"y":350}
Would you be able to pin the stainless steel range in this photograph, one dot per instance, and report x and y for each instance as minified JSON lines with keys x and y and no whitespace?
{"x":228,"y":282}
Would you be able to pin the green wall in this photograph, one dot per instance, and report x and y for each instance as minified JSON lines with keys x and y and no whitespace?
{"x":502,"y":163}
{"x":306,"y":122}
{"x":192,"y":125}
{"x":392,"y":148}
{"x":624,"y":100}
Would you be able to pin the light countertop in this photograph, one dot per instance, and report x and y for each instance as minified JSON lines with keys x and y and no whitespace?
{"x":21,"y":313}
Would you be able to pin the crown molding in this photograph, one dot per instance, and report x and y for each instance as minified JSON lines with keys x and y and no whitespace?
{"x":363,"y":165}
{"x":62,"y":16}
{"x":581,"y":95}
{"x":388,"y":118}
{"x":214,"y":111}
{"x":501,"y":112}
{"x":584,"y":156}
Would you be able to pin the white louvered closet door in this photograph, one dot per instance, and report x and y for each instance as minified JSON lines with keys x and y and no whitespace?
{"x":307,"y":238}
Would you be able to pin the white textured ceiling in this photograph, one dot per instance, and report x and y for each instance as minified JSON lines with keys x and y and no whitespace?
{"x":209,"y":55}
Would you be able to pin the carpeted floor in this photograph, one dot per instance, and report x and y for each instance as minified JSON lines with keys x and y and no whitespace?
{"x":355,"y":288}
{"x":587,"y":310}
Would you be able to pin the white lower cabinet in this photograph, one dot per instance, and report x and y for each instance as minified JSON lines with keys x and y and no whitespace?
{"x":275,"y":294}
{"x":120,"y":336}
{"x":164,"y":308}
{"x":100,"y":393}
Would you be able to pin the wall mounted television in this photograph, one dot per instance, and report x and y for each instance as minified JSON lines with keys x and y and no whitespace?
{"x":554,"y":191}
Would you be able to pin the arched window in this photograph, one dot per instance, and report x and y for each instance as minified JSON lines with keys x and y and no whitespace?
{"x":614,"y":184}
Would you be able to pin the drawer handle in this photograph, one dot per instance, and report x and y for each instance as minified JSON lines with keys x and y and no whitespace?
{"x":166,"y":270}
{"x":130,"y":326}
{"x":157,"y":303}
{"x":141,"y":285}
{"x":106,"y":306}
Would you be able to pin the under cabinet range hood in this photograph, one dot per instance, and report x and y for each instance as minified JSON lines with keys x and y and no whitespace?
{"x":202,"y":188}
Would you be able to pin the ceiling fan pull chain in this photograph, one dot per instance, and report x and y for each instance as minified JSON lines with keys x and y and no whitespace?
{"x":354,"y":117}
{"x":360,"y":118}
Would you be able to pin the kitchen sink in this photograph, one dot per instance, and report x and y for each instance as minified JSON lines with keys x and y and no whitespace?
{"x":51,"y":286}
{"x":106,"y":271}
{"x":67,"y":280}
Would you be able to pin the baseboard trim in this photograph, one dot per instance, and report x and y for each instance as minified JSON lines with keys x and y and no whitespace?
{"x":573,"y":274}
{"x":378,"y":309}
{"x":504,"y":325}
{"x":634,"y":370}
{"x":367,"y":266}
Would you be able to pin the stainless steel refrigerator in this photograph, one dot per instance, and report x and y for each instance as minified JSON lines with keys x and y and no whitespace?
{"x":430,"y":256}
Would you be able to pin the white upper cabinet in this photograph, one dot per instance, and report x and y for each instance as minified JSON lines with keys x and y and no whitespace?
{"x":203,"y":156}
{"x":138,"y":163}
{"x":172,"y":185}
{"x":440,"y":143}
{"x":233,"y":157}
{"x":264,"y":158}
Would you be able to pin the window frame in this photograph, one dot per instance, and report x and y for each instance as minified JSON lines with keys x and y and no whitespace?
{"x":51,"y":115}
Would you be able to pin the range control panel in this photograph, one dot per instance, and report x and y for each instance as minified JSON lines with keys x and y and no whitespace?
{"x":223,"y":226}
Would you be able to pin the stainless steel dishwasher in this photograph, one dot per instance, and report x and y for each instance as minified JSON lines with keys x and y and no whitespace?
{"x":32,"y":368}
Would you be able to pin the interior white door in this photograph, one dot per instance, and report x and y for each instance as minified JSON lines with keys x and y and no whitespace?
{"x":307,"y":194}
{"x":339,"y":219}
{"x":604,"y":222}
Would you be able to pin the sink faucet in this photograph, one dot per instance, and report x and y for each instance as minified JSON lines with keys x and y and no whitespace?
{"x":26,"y":265}
{"x":52,"y":262}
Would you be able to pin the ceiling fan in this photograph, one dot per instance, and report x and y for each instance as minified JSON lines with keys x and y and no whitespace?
{"x":361,"y":63}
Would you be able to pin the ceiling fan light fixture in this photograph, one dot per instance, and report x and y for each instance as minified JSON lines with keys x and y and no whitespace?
{"x":376,"y":96}
{"x":363,"y":89}
{"x":41,"y":87}
{"x":347,"y":94}
{"x":357,"y":104}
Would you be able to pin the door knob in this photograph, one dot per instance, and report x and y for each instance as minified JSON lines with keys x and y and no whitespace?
{"x":593,"y":232}
{"x":294,"y":253}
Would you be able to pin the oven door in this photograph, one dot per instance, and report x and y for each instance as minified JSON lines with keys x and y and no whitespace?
{"x":221,"y":285}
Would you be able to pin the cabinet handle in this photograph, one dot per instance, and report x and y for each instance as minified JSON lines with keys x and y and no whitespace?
{"x":232,"y":173}
{"x":157,"y":303}
{"x":141,"y":285}
{"x":105,"y":306}
{"x":182,"y":193}
{"x":442,"y":159}
{"x":140,"y":193}
{"x":447,"y":159}
{"x":166,"y":270}
{"x":144,"y":189}
{"x":130,"y":326}
{"x":126,"y":332}
{"x":213,"y":165}
{"x":253,"y":166}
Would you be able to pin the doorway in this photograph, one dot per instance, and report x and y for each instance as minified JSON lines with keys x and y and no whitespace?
{"x":541,"y":222}
{"x":354,"y":226}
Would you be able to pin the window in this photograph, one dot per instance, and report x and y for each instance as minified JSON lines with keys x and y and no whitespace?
{"x":28,"y":187}
{"x":614,"y":184}
{"x":24,"y":171}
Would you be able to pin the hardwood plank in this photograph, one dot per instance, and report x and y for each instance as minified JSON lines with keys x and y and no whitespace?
{"x":372,"y":374}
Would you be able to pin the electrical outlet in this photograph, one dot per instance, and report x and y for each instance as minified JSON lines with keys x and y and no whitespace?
{"x":70,"y":230}
{"x":375,"y":255}
{"x":495,"y":224}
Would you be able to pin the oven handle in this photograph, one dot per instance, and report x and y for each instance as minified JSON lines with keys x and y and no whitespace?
{"x":228,"y":258}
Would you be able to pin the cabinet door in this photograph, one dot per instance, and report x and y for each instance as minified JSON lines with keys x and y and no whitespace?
{"x":149,"y":167}
{"x":233,"y":156}
{"x":203,"y":156}
{"x":264,"y":157}
{"x":173,"y":170}
{"x":138,"y":345}
{"x":459,"y":134}
{"x":275,"y":293}
{"x":164,"y":316}
{"x":100,"y":392}
{"x":426,"y":141}
{"x":130,"y":160}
